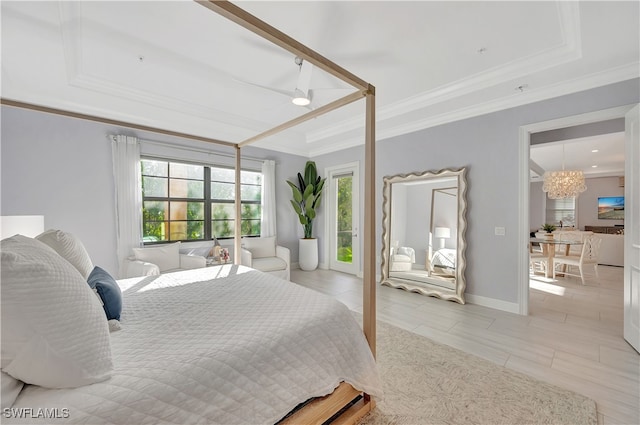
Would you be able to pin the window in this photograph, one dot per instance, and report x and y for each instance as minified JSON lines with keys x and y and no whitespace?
{"x":223,"y":206}
{"x":187,"y":202}
{"x":561,"y":210}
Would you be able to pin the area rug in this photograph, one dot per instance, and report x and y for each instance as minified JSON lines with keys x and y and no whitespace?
{"x":430,"y":383}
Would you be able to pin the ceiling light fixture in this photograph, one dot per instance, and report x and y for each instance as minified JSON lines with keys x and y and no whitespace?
{"x":594,"y":166}
{"x":300,"y":98}
{"x":595,"y":150}
{"x":563,"y":184}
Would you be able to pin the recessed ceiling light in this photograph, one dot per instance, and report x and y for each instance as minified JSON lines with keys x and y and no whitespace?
{"x":595,"y":150}
{"x":594,"y":166}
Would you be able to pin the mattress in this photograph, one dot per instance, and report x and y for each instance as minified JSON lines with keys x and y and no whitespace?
{"x":219,"y":345}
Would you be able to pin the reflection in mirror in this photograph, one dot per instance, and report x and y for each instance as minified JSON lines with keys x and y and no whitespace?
{"x":423,"y":233}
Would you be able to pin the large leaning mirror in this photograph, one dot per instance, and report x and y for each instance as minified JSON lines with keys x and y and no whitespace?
{"x":424,"y":223}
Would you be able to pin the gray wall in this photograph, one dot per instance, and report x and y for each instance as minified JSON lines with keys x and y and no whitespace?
{"x":488,"y":146}
{"x":537,"y":205}
{"x":61,"y":168}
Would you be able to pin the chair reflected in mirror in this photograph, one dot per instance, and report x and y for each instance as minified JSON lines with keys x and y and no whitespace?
{"x":402,"y":258}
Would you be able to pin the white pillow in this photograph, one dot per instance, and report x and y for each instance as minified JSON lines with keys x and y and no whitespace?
{"x":197,"y":250}
{"x":54,"y":332}
{"x":11,"y":387}
{"x":70,"y":248}
{"x":260,"y":247}
{"x":166,"y":257}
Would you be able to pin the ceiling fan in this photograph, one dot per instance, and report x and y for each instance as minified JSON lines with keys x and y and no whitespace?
{"x":302,"y":94}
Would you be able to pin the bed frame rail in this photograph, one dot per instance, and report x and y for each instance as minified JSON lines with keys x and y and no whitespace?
{"x":337,"y":408}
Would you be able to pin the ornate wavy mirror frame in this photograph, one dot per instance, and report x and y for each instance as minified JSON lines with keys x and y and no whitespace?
{"x":424,"y":221}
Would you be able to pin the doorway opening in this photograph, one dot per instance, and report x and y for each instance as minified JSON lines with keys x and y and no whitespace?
{"x":526,"y":135}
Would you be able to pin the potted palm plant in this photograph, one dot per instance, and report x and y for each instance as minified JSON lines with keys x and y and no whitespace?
{"x":307,"y":194}
{"x":549,"y":228}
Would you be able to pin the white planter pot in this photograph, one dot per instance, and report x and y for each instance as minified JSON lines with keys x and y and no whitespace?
{"x":308,"y":254}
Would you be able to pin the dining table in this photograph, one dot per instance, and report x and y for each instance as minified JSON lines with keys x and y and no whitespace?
{"x":549,"y":246}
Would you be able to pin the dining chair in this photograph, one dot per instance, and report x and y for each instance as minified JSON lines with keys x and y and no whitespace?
{"x":588,"y":256}
{"x":538,"y":258}
{"x":574,"y":236}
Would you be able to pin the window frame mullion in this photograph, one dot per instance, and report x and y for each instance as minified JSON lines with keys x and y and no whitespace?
{"x":207,"y":204}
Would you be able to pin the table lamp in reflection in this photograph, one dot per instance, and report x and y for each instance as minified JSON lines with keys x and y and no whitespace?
{"x":442,"y":233}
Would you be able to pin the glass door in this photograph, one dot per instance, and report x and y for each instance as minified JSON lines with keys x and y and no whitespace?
{"x":343,"y":218}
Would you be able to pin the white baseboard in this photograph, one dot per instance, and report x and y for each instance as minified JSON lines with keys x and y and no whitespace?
{"x":470,"y":298}
{"x":296,"y":266}
{"x":492,"y":303}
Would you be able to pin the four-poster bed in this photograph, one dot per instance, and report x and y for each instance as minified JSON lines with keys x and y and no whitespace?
{"x":347,"y":401}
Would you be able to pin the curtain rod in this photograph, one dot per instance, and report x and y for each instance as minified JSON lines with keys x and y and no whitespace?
{"x":112,"y":137}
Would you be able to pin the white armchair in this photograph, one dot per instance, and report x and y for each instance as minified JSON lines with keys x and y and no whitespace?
{"x":263,"y":254}
{"x":402,"y":259}
{"x":153,"y":260}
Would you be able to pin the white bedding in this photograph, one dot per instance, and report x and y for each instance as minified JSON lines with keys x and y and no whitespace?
{"x":225,"y":344}
{"x":445,"y":258}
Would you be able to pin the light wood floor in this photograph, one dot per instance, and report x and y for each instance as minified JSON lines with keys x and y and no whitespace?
{"x":572,"y":337}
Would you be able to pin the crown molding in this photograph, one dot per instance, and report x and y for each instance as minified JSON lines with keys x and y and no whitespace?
{"x":338,"y":146}
{"x":587,"y":82}
{"x":570,"y":49}
{"x":277,"y":147}
{"x":615,"y":75}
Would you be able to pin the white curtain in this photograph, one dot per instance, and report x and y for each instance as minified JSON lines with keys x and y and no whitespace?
{"x":126,"y":174}
{"x":268,"y":219}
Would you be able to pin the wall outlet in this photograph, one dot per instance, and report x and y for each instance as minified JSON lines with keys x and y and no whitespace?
{"x":499,"y":231}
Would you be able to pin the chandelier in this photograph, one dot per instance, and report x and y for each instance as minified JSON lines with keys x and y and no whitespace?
{"x":563,"y":184}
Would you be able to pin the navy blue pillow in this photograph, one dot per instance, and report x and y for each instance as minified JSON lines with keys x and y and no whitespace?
{"x":108,"y":290}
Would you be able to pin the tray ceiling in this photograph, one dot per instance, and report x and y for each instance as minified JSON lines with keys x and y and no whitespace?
{"x":180,"y":67}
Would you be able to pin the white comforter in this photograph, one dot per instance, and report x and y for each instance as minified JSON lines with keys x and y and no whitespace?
{"x":225,"y":344}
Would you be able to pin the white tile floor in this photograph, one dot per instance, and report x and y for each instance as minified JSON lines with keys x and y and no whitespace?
{"x":572,"y":337}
